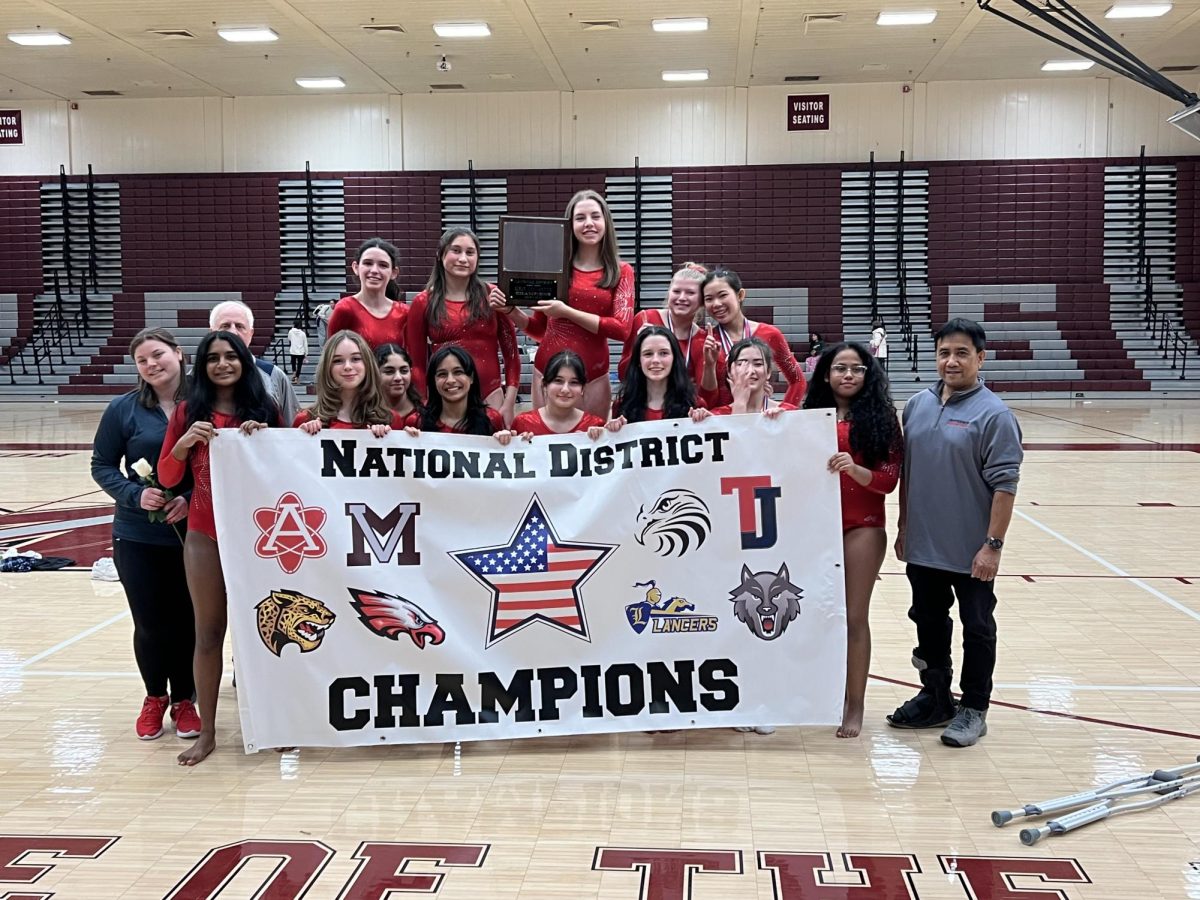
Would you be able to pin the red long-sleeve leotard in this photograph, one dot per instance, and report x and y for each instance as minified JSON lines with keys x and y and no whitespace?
{"x":532,"y":421}
{"x":495,"y":420}
{"x":172,"y":470}
{"x":349,"y":314}
{"x":614,"y":306}
{"x":485,"y":339}
{"x":306,"y":415}
{"x":862,"y":506}
{"x":694,"y":354}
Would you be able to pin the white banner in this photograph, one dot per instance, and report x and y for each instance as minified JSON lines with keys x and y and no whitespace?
{"x":439,"y":588}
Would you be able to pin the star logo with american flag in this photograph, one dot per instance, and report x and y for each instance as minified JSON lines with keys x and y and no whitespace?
{"x":535,"y":577}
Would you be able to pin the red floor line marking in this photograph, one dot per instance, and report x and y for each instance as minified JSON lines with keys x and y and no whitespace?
{"x":1182,"y":578}
{"x":1061,"y":715}
{"x":1029,"y":578}
{"x":44,"y":446}
{"x":62,"y":500}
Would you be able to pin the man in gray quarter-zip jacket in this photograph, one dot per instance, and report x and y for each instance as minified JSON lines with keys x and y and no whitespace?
{"x":962,"y":461}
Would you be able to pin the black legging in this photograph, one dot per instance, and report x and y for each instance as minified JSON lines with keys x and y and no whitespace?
{"x":297,"y":365}
{"x":164,"y":626}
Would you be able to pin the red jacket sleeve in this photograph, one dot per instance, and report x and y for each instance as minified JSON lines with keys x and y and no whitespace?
{"x":416,"y":332}
{"x":786,"y":362}
{"x":170,"y":469}
{"x":616,"y":327}
{"x":506,"y":337}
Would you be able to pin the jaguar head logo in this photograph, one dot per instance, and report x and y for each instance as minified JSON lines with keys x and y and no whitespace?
{"x":287,"y":617}
{"x":678,"y":521}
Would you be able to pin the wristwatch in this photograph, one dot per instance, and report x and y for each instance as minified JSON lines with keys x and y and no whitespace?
{"x":994,"y":542}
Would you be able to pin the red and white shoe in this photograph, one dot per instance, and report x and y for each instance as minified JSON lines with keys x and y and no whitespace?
{"x":186,"y":719}
{"x":150,"y":720}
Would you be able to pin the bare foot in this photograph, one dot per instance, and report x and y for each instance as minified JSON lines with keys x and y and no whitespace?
{"x":851,"y":722}
{"x":196,"y":753}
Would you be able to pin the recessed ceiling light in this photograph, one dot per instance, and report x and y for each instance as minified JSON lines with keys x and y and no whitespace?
{"x":321,"y":82}
{"x":248,"y":35}
{"x":39,"y":39}
{"x":1138,"y":10}
{"x":462,"y":29}
{"x":686,"y":75}
{"x":910,"y":17}
{"x":501,"y":76}
{"x":1067,"y":65}
{"x":699,"y":24}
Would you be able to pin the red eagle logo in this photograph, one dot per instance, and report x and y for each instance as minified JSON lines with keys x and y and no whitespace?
{"x":390,"y":616}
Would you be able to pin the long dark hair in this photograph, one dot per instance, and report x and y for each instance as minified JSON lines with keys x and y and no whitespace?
{"x":251,"y":401}
{"x":565,"y":359}
{"x":382,"y":352}
{"x":146,"y":395}
{"x":475,"y":420}
{"x":478,"y":309}
{"x":681,"y":393}
{"x":874,"y":426}
{"x":610,"y":247}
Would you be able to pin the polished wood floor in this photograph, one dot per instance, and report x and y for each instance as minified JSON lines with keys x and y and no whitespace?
{"x":1098,"y":678}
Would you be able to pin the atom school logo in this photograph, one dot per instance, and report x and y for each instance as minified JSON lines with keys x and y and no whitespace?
{"x":535,"y":577}
{"x":286,"y":617}
{"x":391,"y":616}
{"x":678,"y":521}
{"x":766,"y":602}
{"x":672,"y":616}
{"x":289,"y":532}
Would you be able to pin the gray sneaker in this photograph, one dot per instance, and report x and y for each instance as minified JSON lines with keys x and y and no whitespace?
{"x":966,"y":729}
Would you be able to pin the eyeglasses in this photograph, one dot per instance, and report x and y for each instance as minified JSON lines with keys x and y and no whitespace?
{"x":843,"y":369}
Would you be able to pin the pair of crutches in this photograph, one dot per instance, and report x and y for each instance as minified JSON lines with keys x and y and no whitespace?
{"x":1104,"y":802}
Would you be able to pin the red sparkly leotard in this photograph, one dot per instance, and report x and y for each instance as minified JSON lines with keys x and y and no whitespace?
{"x":485,"y":339}
{"x":862,"y":507}
{"x":614,"y":306}
{"x":693,"y":353}
{"x":727,"y":410}
{"x":495,"y":419}
{"x":172,"y":470}
{"x":349,"y":314}
{"x":306,"y":415}
{"x":532,"y":421}
{"x":781,"y":353}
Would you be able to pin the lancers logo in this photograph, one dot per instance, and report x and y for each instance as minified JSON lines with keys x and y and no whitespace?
{"x":289,"y":532}
{"x":391,"y":616}
{"x":287,"y":617}
{"x":673,"y":616}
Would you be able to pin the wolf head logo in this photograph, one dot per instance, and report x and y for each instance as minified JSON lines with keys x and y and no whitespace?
{"x":766,"y":602}
{"x":678,"y":521}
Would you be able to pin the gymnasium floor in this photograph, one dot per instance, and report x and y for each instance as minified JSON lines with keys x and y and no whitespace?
{"x":1098,"y":677}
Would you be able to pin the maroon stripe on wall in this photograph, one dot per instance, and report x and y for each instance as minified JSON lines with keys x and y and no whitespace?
{"x":1187,"y":225}
{"x":1027,"y":223}
{"x":200,"y":232}
{"x":20,"y":236}
{"x":547,"y":193}
{"x":404,"y":208}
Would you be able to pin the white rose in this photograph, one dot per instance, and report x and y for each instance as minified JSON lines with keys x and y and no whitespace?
{"x":142,"y":469}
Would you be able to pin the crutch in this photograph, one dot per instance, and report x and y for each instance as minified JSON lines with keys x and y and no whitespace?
{"x":1128,"y":787}
{"x":1175,"y":790}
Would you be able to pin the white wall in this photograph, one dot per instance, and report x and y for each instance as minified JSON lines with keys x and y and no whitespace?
{"x":684,"y":126}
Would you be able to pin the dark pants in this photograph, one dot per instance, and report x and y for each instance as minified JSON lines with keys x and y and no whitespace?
{"x":297,"y":365}
{"x":164,"y":626}
{"x":933,"y":593}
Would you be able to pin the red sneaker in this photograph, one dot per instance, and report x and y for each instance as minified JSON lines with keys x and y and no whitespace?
{"x":186,"y":719}
{"x":150,"y":722}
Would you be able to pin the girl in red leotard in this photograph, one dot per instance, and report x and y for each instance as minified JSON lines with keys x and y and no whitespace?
{"x":749,"y":367}
{"x":599,"y":305}
{"x":657,"y":387}
{"x":455,"y":405}
{"x":563,"y":387}
{"x":227,"y":392}
{"x":395,"y":371}
{"x":870,"y":451}
{"x":349,"y":391}
{"x":371,"y":312}
{"x":454,"y":309}
{"x":723,"y":299}
{"x":707,"y":370}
